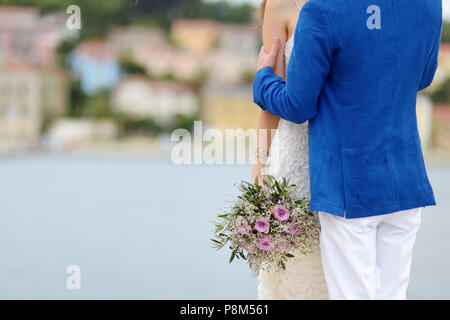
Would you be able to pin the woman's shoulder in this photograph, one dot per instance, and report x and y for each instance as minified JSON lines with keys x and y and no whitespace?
{"x":284,"y":4}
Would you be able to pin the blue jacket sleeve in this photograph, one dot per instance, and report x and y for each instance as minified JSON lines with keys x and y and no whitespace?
{"x":432,"y":64}
{"x":296,"y":98}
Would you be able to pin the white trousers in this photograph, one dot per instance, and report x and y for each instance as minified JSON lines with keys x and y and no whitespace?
{"x":368,"y":258}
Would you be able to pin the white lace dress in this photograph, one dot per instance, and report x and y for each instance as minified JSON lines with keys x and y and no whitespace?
{"x":303,"y":278}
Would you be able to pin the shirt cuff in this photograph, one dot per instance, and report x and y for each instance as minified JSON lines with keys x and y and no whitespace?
{"x":258,"y":84}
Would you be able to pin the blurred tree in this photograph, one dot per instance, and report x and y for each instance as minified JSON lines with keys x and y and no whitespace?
{"x":149,"y":7}
{"x":78,"y":99}
{"x":446,"y":32}
{"x":129,"y":66}
{"x":132,"y":126}
{"x":164,"y":12}
{"x":442,"y":95}
{"x":98,"y":106}
{"x":96,"y":16}
{"x":82,"y":105}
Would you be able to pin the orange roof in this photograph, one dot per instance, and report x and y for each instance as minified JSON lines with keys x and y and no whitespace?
{"x":17,"y":66}
{"x":96,"y":48}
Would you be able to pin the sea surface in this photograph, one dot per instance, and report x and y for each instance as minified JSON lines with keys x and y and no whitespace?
{"x":138,"y":227}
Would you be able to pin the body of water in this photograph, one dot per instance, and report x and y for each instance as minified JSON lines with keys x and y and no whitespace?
{"x":139,"y":228}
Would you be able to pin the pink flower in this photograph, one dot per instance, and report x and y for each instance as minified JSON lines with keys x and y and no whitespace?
{"x":262,"y":225}
{"x":265,"y":243}
{"x":293,"y":230}
{"x":281,"y":213}
{"x":286,"y":246}
{"x":242,"y":226}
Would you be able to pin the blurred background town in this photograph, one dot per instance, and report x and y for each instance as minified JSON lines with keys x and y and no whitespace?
{"x":85,"y":123}
{"x":139,"y":69}
{"x":134,"y":72}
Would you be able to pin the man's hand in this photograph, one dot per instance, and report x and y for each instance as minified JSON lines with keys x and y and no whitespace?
{"x":269,"y":59}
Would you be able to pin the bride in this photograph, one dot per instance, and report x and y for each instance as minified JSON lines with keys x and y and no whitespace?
{"x":286,"y":155}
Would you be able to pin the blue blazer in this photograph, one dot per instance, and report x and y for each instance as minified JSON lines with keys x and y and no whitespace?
{"x":354,"y":73}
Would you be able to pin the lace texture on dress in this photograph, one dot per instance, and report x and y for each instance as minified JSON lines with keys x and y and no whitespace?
{"x":303,"y":278}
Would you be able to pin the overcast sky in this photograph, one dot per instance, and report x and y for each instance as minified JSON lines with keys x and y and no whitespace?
{"x":445,"y":3}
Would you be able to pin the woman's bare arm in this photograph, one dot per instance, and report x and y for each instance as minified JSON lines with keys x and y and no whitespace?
{"x":274,"y":26}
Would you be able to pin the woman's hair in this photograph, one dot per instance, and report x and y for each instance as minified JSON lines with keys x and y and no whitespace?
{"x":262,"y":10}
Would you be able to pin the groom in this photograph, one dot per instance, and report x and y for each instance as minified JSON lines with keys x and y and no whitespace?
{"x":354,"y":74}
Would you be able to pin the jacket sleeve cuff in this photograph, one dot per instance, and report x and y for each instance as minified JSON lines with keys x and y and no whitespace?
{"x":258,"y":83}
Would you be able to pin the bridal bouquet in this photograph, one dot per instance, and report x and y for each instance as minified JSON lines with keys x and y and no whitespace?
{"x":266,"y":224}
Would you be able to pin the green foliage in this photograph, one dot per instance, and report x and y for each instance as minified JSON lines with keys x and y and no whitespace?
{"x":164,"y":12}
{"x":78,"y":99}
{"x":169,"y":76}
{"x":446,"y":32}
{"x":254,"y":194}
{"x":221,"y":11}
{"x":99,"y":16}
{"x":184,"y":122}
{"x":63,"y":50}
{"x":442,"y":95}
{"x":131,"y":125}
{"x":96,"y":106}
{"x":144,"y":126}
{"x":129,"y":66}
{"x":96,"y":16}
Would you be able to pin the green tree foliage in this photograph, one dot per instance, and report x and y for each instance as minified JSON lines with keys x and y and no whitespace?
{"x":129,"y":66}
{"x":97,"y":16}
{"x":164,"y":12}
{"x":446,"y":32}
{"x":442,"y":95}
{"x":221,"y":11}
